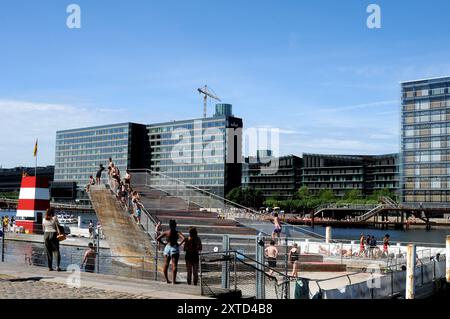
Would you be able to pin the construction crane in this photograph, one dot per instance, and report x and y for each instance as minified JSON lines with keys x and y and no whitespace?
{"x":207,"y":93}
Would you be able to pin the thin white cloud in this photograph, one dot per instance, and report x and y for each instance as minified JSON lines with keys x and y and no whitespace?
{"x":22,"y":122}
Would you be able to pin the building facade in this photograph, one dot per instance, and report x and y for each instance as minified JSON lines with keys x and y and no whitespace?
{"x":203,"y":152}
{"x":342,"y":173}
{"x":80,"y":151}
{"x":425,"y":142}
{"x":274,"y":177}
{"x":11,"y":178}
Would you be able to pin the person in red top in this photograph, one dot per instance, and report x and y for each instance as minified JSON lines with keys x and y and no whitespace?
{"x":362,"y":247}
{"x":386,"y":244}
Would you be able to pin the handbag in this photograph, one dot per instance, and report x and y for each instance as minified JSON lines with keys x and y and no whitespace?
{"x":61,"y":236}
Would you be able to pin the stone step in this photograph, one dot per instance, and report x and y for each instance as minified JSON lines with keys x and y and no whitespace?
{"x":321,"y":267}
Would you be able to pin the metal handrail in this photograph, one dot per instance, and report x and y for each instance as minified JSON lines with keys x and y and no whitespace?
{"x":148,"y":171}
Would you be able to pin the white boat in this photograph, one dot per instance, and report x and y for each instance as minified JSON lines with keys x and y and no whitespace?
{"x":67,"y":219}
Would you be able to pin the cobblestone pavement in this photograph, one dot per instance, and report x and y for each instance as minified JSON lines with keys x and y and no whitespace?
{"x":28,"y":288}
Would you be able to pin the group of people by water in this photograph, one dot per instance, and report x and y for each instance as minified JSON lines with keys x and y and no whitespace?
{"x":368,"y":246}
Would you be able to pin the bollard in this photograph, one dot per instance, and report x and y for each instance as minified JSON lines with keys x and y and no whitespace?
{"x":410,"y":266}
{"x":79,"y":223}
{"x":447,"y":259}
{"x":328,"y":235}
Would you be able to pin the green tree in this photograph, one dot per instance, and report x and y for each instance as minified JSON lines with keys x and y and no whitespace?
{"x":327,"y":196}
{"x":303,"y":193}
{"x":353,"y":195}
{"x":385,"y":192}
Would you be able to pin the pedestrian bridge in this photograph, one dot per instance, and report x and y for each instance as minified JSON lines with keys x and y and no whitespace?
{"x":125,"y":237}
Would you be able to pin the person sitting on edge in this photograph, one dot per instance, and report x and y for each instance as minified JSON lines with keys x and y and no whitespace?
{"x":91,"y":182}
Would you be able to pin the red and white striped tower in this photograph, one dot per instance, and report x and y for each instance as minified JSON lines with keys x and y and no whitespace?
{"x":34,"y":200}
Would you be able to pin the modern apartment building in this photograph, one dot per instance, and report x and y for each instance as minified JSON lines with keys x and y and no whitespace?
{"x":80,"y":151}
{"x":274,"y":177}
{"x":425,"y":142}
{"x":341,"y":173}
{"x":204,"y":152}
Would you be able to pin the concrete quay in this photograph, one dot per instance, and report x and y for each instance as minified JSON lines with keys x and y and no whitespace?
{"x":30,"y":282}
{"x":70,"y":241}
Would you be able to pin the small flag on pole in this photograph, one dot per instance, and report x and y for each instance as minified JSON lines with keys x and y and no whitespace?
{"x":35,"y":148}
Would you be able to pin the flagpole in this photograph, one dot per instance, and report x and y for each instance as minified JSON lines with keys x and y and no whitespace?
{"x":35,"y":158}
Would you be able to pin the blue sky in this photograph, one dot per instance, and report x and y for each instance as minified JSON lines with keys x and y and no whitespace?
{"x":311,"y":68}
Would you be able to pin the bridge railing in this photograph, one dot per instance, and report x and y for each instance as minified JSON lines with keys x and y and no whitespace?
{"x":192,"y":194}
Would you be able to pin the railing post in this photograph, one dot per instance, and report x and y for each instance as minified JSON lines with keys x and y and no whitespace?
{"x":235,"y":273}
{"x":410,"y":267}
{"x":260,"y":278}
{"x":98,"y":251}
{"x":3,"y":240}
{"x":156,"y":261}
{"x":328,"y":235}
{"x":286,"y":261}
{"x":447,"y":259}
{"x":226,"y":263}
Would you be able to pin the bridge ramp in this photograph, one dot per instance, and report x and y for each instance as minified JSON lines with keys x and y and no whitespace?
{"x":125,"y":237}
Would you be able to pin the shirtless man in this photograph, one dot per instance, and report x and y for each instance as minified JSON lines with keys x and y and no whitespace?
{"x":271,"y":253}
{"x":277,"y":227}
{"x":89,"y":258}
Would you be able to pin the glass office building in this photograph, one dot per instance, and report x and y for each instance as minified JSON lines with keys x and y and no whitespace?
{"x":342,"y":173}
{"x":425,"y":142}
{"x":281,"y":182}
{"x":80,"y":151}
{"x":203,"y":152}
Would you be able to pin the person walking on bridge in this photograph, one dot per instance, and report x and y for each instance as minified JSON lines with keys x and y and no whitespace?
{"x":171,"y":250}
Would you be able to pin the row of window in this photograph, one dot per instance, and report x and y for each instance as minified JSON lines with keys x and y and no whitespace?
{"x":90,"y":164}
{"x":87,"y":140}
{"x":425,"y":118}
{"x":435,"y":129}
{"x":99,"y":132}
{"x":426,"y":92}
{"x":161,"y":149}
{"x":190,"y":168}
{"x":187,"y":126}
{"x":95,"y":145}
{"x":423,"y":184}
{"x":113,"y":151}
{"x":426,"y":105}
{"x":187,"y":137}
{"x":91,"y":158}
{"x":427,"y":145}
{"x":438,"y":199}
{"x":87,"y":171}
